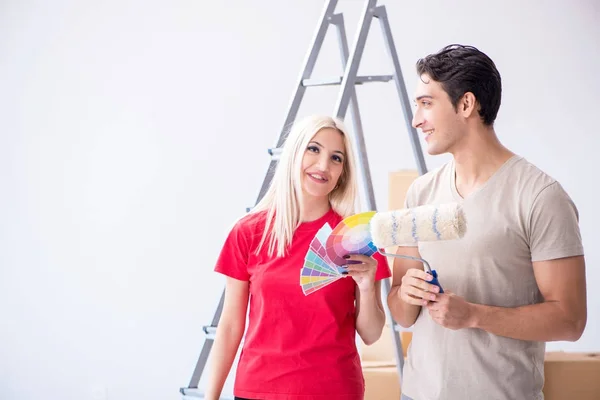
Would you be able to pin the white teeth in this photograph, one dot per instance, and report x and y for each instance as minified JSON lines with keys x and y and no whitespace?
{"x":317,"y":177}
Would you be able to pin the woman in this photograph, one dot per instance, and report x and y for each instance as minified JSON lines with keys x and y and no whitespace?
{"x":297,"y":346}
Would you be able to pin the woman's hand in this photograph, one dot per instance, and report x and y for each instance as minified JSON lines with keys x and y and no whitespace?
{"x":362,"y":269}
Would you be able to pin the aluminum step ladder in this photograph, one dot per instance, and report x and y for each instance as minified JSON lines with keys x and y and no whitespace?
{"x":346,"y":99}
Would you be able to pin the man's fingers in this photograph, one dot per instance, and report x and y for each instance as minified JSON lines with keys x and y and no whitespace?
{"x":407,"y":298}
{"x":423,"y":285}
{"x":416,"y":282}
{"x":419,"y":294}
{"x":415,"y":288}
{"x":419,"y":273}
{"x":433,"y":307}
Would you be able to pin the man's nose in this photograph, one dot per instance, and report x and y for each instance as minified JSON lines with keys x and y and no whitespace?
{"x":417,"y":120}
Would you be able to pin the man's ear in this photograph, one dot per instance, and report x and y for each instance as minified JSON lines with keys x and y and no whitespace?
{"x":468,"y":106}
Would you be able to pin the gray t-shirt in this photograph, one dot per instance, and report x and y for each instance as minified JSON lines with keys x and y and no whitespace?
{"x":519,"y":216}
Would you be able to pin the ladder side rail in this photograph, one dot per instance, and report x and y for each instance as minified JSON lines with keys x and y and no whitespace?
{"x":362,"y":160}
{"x":381,"y":14}
{"x":307,"y":69}
{"x":207,"y":346}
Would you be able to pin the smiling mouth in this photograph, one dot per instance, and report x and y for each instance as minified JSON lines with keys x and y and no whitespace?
{"x":428,"y":133}
{"x":318,"y":178}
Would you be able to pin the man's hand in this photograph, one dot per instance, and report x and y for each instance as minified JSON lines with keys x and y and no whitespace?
{"x":415,"y":288}
{"x":451,"y":311}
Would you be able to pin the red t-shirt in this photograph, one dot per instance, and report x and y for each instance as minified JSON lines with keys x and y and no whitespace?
{"x":296,"y":347}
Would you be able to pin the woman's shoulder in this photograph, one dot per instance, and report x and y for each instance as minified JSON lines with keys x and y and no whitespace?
{"x":335,"y":218}
{"x":253,"y":217}
{"x":251,"y":223}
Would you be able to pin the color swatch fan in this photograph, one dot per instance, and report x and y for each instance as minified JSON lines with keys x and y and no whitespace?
{"x":318,"y":270}
{"x":325,"y":262}
{"x":351,"y":236}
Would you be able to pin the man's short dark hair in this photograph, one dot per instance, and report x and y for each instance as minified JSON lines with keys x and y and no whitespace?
{"x":461,"y":69}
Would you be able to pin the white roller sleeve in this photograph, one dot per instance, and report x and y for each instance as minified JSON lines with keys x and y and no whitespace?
{"x":418,"y":224}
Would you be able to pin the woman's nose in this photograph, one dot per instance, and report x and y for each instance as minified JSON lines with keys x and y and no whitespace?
{"x":323,"y":163}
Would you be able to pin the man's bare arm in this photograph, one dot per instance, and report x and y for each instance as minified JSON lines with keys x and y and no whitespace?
{"x":409,"y":273}
{"x":561,"y":316}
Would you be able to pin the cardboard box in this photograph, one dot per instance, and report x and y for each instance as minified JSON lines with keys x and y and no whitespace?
{"x":572,"y":376}
{"x":399,"y":182}
{"x":568,"y":376}
{"x":382,"y":381}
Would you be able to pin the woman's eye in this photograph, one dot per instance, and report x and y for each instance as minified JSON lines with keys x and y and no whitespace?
{"x":314,"y":149}
{"x":337,"y":159}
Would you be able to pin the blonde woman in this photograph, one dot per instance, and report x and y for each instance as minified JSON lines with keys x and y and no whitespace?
{"x":297,"y":346}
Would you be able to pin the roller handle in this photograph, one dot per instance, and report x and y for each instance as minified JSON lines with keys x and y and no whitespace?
{"x":428,"y":269}
{"x":435,"y":281}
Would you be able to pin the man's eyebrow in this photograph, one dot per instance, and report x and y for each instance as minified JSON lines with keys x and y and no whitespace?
{"x":423,"y":96}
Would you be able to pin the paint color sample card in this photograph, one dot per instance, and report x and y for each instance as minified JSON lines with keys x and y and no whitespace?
{"x":324,"y":261}
{"x":351,"y":236}
{"x":318,"y":270}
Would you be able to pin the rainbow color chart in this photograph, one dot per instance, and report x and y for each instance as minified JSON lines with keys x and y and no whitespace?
{"x":324,"y":261}
{"x":351,"y":236}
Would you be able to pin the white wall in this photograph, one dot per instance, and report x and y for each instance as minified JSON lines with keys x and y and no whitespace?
{"x":132,"y":134}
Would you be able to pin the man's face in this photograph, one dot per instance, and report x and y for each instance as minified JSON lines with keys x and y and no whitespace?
{"x":435,"y":117}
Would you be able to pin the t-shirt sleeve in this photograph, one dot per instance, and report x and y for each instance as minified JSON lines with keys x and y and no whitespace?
{"x":383,"y":268}
{"x":233,"y":259}
{"x":554,"y":225}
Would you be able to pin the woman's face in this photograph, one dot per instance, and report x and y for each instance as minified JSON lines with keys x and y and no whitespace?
{"x":323,"y":163}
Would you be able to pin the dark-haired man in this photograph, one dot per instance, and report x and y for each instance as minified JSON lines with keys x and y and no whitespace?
{"x":515,"y":280}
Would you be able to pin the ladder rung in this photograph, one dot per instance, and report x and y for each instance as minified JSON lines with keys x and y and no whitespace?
{"x":210,"y":331}
{"x":195,"y":392}
{"x":338,"y":80}
{"x":191,"y":392}
{"x":275,"y":153}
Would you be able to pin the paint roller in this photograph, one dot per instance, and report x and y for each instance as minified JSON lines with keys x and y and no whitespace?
{"x":409,"y":226}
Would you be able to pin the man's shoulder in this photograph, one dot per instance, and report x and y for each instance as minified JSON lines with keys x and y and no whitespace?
{"x":528,"y":177}
{"x":433,"y":177}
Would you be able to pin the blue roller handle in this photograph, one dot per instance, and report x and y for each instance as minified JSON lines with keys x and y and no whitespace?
{"x":428,"y":269}
{"x":435,"y":281}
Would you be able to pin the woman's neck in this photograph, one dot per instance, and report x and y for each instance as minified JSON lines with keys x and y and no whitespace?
{"x":314,"y":208}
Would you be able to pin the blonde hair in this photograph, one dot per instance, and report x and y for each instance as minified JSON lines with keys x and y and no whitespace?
{"x":282,"y":201}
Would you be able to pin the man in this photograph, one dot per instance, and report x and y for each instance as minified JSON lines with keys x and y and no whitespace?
{"x":515,"y":280}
